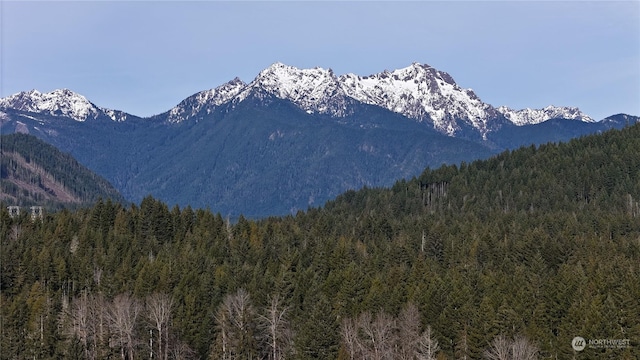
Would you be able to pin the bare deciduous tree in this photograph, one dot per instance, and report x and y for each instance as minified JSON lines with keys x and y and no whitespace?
{"x":349,"y":333}
{"x":499,"y":349}
{"x":523,"y":349}
{"x":235,"y":319}
{"x":86,"y":319}
{"x":385,"y":337}
{"x":408,"y":331}
{"x":276,"y":327}
{"x":377,"y":336}
{"x":181,"y":351}
{"x":122,"y":315}
{"x":159,"y":307}
{"x":98,"y":305}
{"x":519,"y":348}
{"x":427,"y":345}
{"x":80,"y":318}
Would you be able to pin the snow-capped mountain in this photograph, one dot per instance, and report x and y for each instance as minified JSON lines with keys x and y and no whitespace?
{"x":61,"y":102}
{"x":419,"y":92}
{"x":535,"y":116}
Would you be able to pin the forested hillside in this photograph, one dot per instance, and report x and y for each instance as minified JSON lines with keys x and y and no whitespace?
{"x":514,"y":255}
{"x":33,"y":172}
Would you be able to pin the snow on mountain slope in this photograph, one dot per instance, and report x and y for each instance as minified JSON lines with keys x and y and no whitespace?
{"x":208,"y":99}
{"x":422,"y":93}
{"x":535,"y":116}
{"x":60,"y":102}
{"x":115,"y":115}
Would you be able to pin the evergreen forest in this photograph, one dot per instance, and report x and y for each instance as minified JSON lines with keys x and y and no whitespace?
{"x":507,"y":258}
{"x":33,"y":172}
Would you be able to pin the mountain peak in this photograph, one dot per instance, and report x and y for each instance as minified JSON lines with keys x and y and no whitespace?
{"x":412,"y":71}
{"x":313,"y":90}
{"x":60,"y":102}
{"x":291,"y":82}
{"x":422,"y":93}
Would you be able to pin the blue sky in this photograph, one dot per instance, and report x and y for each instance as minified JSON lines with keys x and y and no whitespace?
{"x":144,"y":57}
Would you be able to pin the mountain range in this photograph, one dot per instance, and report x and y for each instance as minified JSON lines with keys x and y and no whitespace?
{"x":291,"y":138}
